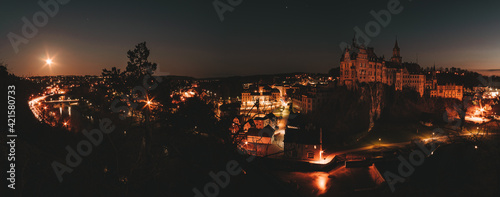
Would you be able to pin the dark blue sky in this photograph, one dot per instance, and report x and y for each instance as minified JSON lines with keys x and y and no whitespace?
{"x":186,"y":37}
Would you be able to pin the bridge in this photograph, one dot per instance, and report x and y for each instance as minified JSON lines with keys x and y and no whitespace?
{"x":70,"y":101}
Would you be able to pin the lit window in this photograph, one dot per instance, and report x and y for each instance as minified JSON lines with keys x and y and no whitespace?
{"x":310,"y":155}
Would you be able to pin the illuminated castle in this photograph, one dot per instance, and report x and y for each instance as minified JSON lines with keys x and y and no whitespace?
{"x":359,"y":64}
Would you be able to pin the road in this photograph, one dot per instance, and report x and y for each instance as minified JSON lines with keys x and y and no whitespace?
{"x":34,"y":108}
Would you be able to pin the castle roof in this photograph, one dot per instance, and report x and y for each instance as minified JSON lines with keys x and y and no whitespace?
{"x":396,"y":46}
{"x":355,"y":50}
{"x":267,"y":131}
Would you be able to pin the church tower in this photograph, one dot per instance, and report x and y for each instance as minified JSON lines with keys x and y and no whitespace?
{"x":396,"y":56}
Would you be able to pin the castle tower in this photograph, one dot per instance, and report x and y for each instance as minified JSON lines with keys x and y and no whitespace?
{"x":396,"y":56}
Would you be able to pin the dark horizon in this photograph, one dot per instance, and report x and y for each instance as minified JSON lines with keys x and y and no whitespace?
{"x":485,"y":72}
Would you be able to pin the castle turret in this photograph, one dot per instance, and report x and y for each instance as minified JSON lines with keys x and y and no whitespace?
{"x":396,"y":56}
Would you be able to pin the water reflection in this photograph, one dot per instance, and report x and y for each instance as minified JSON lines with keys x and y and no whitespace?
{"x":322,"y":181}
{"x":340,"y":181}
{"x":308,"y":183}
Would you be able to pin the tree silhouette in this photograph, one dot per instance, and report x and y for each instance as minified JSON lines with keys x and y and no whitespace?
{"x":130,"y":86}
{"x":4,"y":74}
{"x":113,"y":74}
{"x":3,"y":69}
{"x":138,"y":65}
{"x":114,"y":78}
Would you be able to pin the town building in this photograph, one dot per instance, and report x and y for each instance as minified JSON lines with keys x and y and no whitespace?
{"x":260,"y":136}
{"x":448,"y":91}
{"x":302,"y":141}
{"x":306,"y":99}
{"x":261,"y":98}
{"x":258,"y":141}
{"x":414,"y":81}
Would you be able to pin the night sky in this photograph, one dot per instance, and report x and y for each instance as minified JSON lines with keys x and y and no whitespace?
{"x":186,"y":37}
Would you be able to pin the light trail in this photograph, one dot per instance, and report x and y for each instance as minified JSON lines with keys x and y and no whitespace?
{"x":36,"y":111}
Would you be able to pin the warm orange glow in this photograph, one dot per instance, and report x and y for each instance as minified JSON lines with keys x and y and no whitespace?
{"x":476,"y":114}
{"x":477,"y":119}
{"x":321,"y":182}
{"x":150,"y":103}
{"x":48,"y":61}
{"x":324,"y":159}
{"x":375,"y":175}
